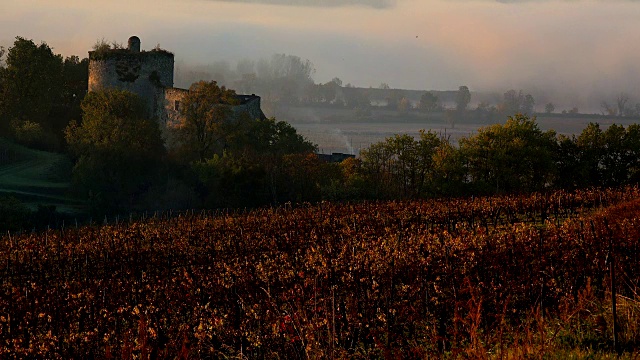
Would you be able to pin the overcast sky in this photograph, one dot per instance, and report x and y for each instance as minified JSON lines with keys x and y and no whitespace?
{"x":582,"y":49}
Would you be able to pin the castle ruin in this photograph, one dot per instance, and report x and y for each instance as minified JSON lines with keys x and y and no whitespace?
{"x":149,"y":74}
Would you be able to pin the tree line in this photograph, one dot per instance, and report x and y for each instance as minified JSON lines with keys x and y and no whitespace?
{"x":515,"y":157}
{"x":216,"y":158}
{"x":40,"y":92}
{"x":284,"y":80}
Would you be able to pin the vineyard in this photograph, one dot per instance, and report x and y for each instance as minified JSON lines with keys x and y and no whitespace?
{"x":504,"y":277}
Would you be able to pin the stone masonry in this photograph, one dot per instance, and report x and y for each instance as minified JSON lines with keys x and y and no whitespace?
{"x":149,"y":74}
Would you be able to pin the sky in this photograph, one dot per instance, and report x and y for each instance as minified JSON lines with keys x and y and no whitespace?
{"x":577,"y":52}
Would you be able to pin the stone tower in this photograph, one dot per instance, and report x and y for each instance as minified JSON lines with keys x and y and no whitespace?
{"x":134,"y":44}
{"x":149,"y":74}
{"x":145,"y":73}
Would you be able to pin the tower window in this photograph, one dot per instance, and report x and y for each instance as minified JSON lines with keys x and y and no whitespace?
{"x":176,"y":105}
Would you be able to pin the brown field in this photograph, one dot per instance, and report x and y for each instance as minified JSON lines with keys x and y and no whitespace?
{"x":503,"y":277}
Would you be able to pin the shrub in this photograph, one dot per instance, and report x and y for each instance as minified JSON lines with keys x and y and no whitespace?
{"x":13,"y":214}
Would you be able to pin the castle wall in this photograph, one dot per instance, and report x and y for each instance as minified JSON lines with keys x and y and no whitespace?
{"x":145,"y":74}
{"x":172,"y":100}
{"x":251,"y":106}
{"x":149,"y":74}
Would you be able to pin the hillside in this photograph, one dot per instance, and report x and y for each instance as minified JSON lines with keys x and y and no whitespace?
{"x":36,"y":177}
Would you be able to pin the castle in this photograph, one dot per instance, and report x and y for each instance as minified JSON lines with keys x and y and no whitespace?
{"x":149,"y":74}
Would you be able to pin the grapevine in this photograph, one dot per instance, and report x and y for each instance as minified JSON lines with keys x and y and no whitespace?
{"x":372,"y":279}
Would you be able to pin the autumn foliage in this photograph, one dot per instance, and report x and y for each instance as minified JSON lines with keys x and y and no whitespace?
{"x":403,"y":279}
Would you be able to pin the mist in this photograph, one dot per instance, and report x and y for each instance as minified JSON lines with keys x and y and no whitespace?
{"x":316,"y":3}
{"x":576,"y":54}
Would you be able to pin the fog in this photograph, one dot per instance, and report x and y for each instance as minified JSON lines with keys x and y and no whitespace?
{"x":321,"y":3}
{"x":574,"y":53}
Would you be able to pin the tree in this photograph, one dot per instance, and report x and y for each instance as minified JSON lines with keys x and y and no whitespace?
{"x":549,"y":108}
{"x":448,"y":174}
{"x":632,"y":111}
{"x":394,"y":96}
{"x":75,"y":79}
{"x":67,"y":107}
{"x":621,"y":101}
{"x":610,"y":157}
{"x":632,"y":145}
{"x":329,"y":91}
{"x":355,"y":98}
{"x":292,"y":67}
{"x":404,"y":105}
{"x":617,"y":158}
{"x":254,"y":170}
{"x":246,"y":66}
{"x":608,"y":109}
{"x":289,"y":76}
{"x":527,"y":105}
{"x":570,"y":172}
{"x":486,"y":113}
{"x":118,"y":151}
{"x":591,"y":146}
{"x":403,"y":167}
{"x":463,"y":98}
{"x":4,"y":123}
{"x":207,"y":121}
{"x":14,"y":215}
{"x":32,"y":81}
{"x":273,"y":137}
{"x":268,"y":143}
{"x":511,"y":102}
{"x":517,"y":102}
{"x":303,"y":177}
{"x":428,"y":102}
{"x":516,"y":156}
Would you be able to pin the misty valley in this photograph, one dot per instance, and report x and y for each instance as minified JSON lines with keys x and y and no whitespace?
{"x":342,"y":132}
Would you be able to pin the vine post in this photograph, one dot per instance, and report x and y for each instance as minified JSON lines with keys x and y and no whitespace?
{"x":612,"y":277}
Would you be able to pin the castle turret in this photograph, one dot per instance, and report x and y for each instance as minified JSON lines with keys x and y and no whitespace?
{"x":145,"y":73}
{"x":134,"y":44}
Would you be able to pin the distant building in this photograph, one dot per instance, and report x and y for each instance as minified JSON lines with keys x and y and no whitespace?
{"x":149,"y":74}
